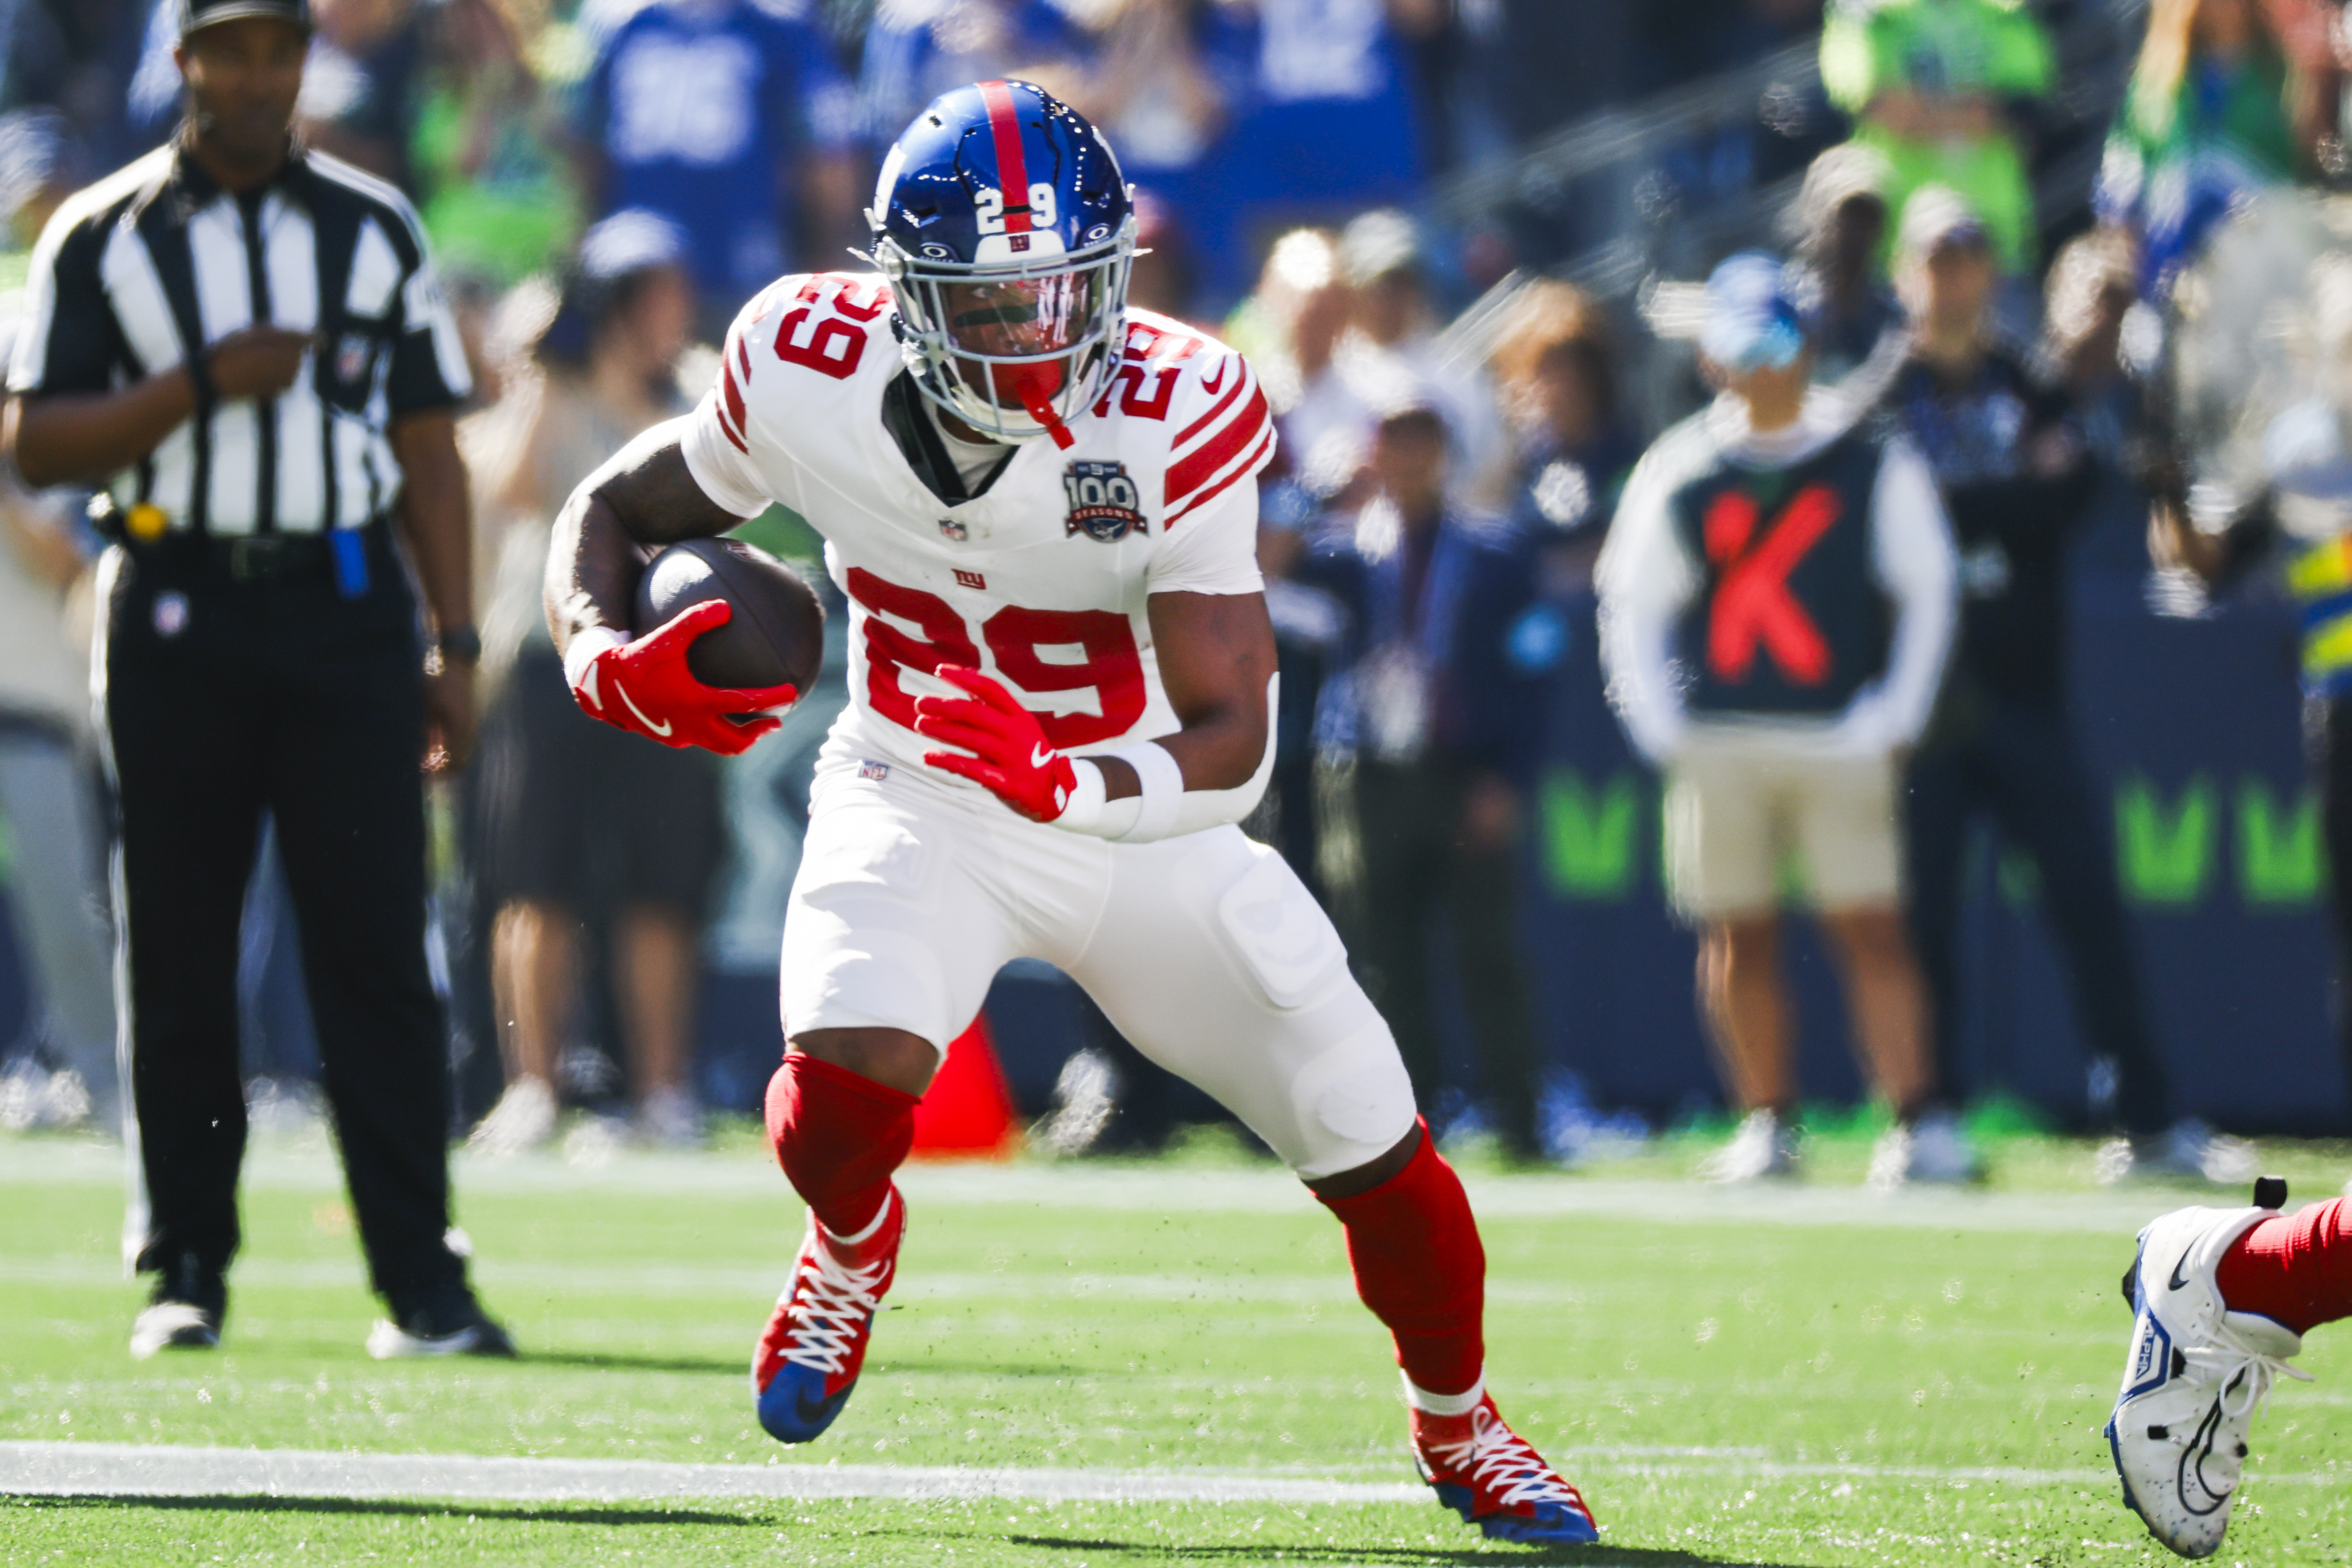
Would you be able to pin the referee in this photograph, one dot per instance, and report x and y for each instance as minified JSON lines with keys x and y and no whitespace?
{"x":243,"y":343}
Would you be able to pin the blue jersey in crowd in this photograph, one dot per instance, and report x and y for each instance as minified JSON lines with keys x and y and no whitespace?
{"x":918,"y":50}
{"x":698,"y":106}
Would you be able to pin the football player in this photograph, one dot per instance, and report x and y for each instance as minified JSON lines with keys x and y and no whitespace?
{"x":2220,"y":1300}
{"x":1042,"y":506}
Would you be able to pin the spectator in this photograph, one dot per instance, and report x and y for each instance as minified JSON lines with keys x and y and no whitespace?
{"x":493,"y":189}
{"x":56,"y":842}
{"x":1393,"y":339}
{"x":1944,"y":90}
{"x":1327,"y":120}
{"x":2219,"y":106}
{"x":41,"y":167}
{"x":365,"y":84}
{"x":1838,"y":227}
{"x":2016,"y":480}
{"x":1162,"y":276}
{"x":75,"y":59}
{"x":1558,"y":375}
{"x":577,"y":821}
{"x":2092,"y":289}
{"x":733,"y":121}
{"x":1162,"y":87}
{"x":1776,"y":604}
{"x":1441,"y":730}
{"x":2300,"y":527}
{"x":918,"y":50}
{"x":1310,"y":627}
{"x":1292,"y":326}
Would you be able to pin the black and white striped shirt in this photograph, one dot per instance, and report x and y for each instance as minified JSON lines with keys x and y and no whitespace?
{"x":157,"y":257}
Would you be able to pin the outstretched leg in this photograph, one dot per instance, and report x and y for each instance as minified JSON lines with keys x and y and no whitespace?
{"x":841,"y":1117}
{"x":1420,"y":1267}
{"x":1213,"y":959}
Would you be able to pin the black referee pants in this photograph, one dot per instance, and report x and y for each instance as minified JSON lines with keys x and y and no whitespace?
{"x":225,"y":698}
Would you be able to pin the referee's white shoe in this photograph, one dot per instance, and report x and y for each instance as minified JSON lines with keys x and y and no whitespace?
{"x":2195,"y":1376}
{"x":184,"y":1313}
{"x":454,"y":1324}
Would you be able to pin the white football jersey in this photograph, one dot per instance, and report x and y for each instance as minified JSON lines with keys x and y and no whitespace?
{"x":1043,"y":580}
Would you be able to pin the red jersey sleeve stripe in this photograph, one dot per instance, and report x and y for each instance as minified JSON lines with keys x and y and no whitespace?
{"x":1189,"y":473}
{"x":1011,"y":167}
{"x":1251,"y":464}
{"x":1242,"y":378}
{"x":730,"y":405}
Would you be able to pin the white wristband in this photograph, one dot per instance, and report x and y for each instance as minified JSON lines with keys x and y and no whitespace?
{"x":1083,"y":810}
{"x":1088,"y":811}
{"x":583,"y":650}
{"x":1163,"y":784}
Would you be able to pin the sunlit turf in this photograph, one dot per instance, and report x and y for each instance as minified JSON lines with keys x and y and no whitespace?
{"x":1789,"y":1377}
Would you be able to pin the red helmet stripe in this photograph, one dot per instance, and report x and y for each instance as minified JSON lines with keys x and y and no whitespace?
{"x":1011,"y":168}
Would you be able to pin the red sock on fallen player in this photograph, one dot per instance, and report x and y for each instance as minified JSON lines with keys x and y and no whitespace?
{"x":1419,"y":1268}
{"x":2295,"y":1269}
{"x":838,"y":1136}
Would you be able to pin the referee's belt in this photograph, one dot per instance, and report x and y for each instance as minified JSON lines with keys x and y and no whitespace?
{"x":256,"y":558}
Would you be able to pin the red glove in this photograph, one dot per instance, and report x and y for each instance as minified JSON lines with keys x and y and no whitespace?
{"x":1009,"y":752}
{"x":646,"y":688}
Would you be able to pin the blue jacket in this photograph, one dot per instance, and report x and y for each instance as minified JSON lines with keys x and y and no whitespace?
{"x":1463,"y":631}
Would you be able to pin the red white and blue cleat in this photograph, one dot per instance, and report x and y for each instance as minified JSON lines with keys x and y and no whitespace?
{"x":814,"y":1346}
{"x":1492,"y":1477}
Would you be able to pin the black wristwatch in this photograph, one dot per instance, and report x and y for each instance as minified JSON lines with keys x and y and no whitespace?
{"x":458,"y":645}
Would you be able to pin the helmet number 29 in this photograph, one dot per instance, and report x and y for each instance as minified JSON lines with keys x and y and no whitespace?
{"x":990,"y":205}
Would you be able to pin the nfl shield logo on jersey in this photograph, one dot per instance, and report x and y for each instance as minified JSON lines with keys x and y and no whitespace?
{"x":1102,"y":501}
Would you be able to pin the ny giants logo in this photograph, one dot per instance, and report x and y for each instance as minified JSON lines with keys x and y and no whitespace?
{"x":1103,"y":502}
{"x":1752,"y":603}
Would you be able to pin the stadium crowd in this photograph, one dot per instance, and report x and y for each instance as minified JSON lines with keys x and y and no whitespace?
{"x":1460,"y":496}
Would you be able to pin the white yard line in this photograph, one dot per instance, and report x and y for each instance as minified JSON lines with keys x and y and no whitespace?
{"x":51,"y":1162}
{"x":134,"y":1470}
{"x":138,"y":1469}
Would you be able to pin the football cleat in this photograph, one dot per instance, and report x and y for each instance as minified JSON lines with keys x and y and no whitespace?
{"x":2196,"y":1375}
{"x":1495,"y":1479}
{"x":814,"y":1346}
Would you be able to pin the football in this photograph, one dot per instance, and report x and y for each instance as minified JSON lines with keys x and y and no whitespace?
{"x":776,"y":635}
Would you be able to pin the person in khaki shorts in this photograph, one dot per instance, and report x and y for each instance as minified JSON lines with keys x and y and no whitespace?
{"x":1776,"y":603}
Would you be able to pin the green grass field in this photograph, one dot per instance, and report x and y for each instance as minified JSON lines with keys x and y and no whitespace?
{"x":1806,"y":1375}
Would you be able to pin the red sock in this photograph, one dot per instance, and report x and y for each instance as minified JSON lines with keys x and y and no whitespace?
{"x":1419,"y":1267}
{"x":2295,"y":1269}
{"x":838,"y":1136}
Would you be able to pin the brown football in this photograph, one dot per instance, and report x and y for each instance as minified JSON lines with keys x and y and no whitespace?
{"x":776,"y":635}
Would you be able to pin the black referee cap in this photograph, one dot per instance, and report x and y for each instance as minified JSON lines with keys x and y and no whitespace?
{"x":195,"y":14}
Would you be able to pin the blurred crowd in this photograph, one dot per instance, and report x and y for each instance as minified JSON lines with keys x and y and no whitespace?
{"x":606,"y":184}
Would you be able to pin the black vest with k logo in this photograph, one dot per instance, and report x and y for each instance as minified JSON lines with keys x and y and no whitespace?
{"x":1791,"y":621}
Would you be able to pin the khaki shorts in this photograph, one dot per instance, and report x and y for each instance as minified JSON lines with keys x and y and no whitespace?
{"x":1746,"y":827}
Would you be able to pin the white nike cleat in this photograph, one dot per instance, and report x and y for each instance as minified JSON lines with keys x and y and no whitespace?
{"x":2196,"y":1375}
{"x":524,"y":1118}
{"x":1765,"y":1145}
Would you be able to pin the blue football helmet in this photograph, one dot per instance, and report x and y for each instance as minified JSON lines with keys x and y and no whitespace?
{"x":1006,"y":231}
